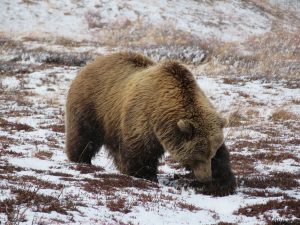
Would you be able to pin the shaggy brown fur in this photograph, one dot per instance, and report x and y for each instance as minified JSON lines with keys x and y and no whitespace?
{"x":139,"y":109}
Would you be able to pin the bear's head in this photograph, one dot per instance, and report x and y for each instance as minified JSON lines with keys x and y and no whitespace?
{"x":201,"y":138}
{"x":185,"y":121}
{"x":194,"y":141}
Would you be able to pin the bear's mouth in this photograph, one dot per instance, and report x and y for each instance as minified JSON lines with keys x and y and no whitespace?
{"x":202,"y":171}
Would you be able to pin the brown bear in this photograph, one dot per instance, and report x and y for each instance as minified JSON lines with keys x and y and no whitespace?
{"x":139,"y":109}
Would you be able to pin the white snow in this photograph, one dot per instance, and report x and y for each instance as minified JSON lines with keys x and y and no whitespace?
{"x":10,"y":82}
{"x":211,"y":209}
{"x":70,"y":18}
{"x":30,"y":163}
{"x":232,"y":20}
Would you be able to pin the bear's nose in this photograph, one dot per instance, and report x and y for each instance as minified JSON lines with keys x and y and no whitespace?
{"x":202,"y":171}
{"x":204,"y":179}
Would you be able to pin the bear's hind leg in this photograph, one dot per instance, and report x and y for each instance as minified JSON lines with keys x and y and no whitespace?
{"x":83,"y":140}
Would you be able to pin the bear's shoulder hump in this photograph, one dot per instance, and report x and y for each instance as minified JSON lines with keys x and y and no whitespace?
{"x":136,"y":59}
{"x":177,"y":70}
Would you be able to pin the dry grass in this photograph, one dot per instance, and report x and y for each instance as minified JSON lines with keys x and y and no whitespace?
{"x":58,"y":40}
{"x":282,"y":114}
{"x":269,"y":157}
{"x":281,"y":11}
{"x":120,"y":204}
{"x":235,"y":119}
{"x":284,"y":208}
{"x":141,"y":35}
{"x":243,"y":94}
{"x":284,"y":181}
{"x":85,"y":168}
{"x":7,"y":168}
{"x":252,"y":113}
{"x":144,"y":198}
{"x":233,"y":80}
{"x":225,"y":223}
{"x":187,"y":206}
{"x":35,"y":201}
{"x":111,"y":182}
{"x":60,"y":128}
{"x":266,"y":194}
{"x":45,"y":57}
{"x":93,"y":19}
{"x":275,"y":55}
{"x":29,"y":2}
{"x":59,"y":174}
{"x":295,"y":101}
{"x":43,"y":154}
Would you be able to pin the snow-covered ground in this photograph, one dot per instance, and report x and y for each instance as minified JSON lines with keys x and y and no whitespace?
{"x":38,"y":185}
{"x":83,"y":20}
{"x":32,"y":159}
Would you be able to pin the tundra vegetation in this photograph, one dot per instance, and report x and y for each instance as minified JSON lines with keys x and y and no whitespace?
{"x":252,"y":77}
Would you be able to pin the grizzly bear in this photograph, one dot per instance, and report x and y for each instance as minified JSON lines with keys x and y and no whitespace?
{"x":138,"y":110}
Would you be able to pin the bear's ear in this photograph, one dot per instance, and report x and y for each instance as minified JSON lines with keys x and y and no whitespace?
{"x":186,"y":127}
{"x":224,"y":122}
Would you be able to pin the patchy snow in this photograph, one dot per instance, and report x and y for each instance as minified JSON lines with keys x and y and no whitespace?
{"x":102,"y":159}
{"x":225,"y":20}
{"x":10,"y":82}
{"x":164,"y":204}
{"x":39,"y":185}
{"x":29,"y":163}
{"x":279,"y":167}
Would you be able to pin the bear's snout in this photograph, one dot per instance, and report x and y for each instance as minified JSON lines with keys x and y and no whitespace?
{"x":202,"y":171}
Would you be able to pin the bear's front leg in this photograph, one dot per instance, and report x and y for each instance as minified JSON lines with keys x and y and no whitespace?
{"x":223,"y":180}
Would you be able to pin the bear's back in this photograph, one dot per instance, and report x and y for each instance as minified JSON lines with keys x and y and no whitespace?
{"x":115,"y":67}
{"x":106,"y":76}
